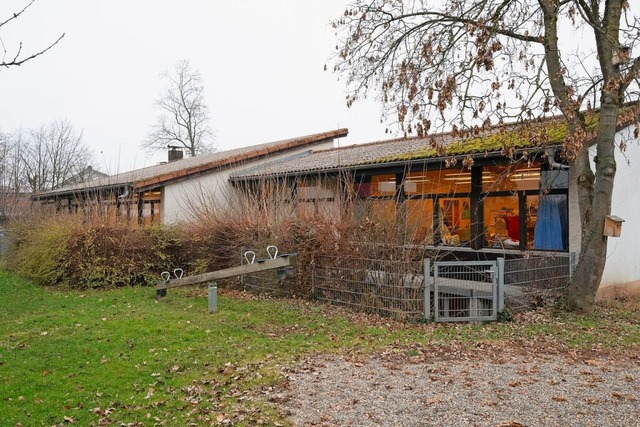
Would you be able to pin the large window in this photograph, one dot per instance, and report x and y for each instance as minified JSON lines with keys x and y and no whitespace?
{"x":455,"y":220}
{"x":379,"y":192}
{"x":438,"y":209}
{"x":420,"y":220}
{"x":525,"y":207}
{"x":317,"y":197}
{"x":506,"y":206}
{"x":442,"y":181}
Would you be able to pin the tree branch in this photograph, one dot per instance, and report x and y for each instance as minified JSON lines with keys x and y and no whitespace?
{"x":18,"y":62}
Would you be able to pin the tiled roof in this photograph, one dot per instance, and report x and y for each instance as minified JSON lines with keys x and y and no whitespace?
{"x":551,"y":132}
{"x":338,"y":158}
{"x":155,"y":175}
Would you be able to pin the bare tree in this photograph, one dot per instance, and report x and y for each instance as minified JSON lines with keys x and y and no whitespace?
{"x":5,"y":192}
{"x":184,"y":119}
{"x":18,"y":58}
{"x":51,"y":155}
{"x":471,"y":64}
{"x":11,"y":183}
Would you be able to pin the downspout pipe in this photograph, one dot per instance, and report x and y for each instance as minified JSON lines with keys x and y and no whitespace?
{"x":551,"y":159}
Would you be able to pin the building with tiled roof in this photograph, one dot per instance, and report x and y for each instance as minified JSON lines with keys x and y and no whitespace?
{"x":504,"y":192}
{"x":160,"y":193}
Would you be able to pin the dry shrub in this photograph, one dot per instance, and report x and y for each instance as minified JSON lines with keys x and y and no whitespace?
{"x":37,"y":248}
{"x":95,"y":252}
{"x":118,"y":254}
{"x":62,"y":250}
{"x":214,"y":238}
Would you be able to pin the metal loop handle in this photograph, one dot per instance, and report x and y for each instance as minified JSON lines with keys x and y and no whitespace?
{"x":166,"y":276}
{"x":250,"y":256}
{"x":274,"y":249}
{"x":178,"y":272}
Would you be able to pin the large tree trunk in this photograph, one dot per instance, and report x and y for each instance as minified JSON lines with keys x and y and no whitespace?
{"x":594,"y":199}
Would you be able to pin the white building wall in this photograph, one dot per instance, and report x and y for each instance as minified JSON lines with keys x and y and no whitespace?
{"x":623,"y":253}
{"x":181,"y":199}
{"x":622,"y":268}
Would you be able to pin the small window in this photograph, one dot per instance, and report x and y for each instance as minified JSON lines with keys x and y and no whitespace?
{"x":383,"y":185}
{"x":502,"y":222}
{"x":510,"y":178}
{"x":420,"y":220}
{"x":445,"y":181}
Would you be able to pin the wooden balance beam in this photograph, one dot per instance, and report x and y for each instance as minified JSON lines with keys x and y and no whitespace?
{"x":280,"y":261}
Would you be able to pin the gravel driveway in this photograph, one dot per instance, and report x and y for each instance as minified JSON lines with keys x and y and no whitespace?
{"x":488,"y":387}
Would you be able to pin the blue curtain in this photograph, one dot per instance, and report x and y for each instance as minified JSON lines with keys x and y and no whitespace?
{"x":551,"y":225}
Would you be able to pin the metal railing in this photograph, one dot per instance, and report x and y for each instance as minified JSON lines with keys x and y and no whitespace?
{"x":536,"y":281}
{"x":389,"y":288}
{"x":458,"y":290}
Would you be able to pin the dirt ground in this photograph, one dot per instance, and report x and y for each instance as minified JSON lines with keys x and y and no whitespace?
{"x":454,"y":387}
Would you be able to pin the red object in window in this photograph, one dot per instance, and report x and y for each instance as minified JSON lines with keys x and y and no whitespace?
{"x":513,"y":228}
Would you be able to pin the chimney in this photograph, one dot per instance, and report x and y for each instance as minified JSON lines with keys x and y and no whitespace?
{"x":175,"y":153}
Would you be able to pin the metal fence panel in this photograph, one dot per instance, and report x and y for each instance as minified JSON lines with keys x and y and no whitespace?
{"x":390,"y":288}
{"x":465,"y":291}
{"x":536,"y":281}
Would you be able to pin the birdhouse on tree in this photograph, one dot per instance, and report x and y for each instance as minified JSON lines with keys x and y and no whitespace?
{"x":613,"y":226}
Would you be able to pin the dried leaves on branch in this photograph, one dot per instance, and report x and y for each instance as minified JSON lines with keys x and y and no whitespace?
{"x":467,"y":65}
{"x":471,"y":64}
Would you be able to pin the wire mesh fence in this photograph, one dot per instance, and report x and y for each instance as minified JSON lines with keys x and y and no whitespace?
{"x":389,"y":288}
{"x":458,"y":290}
{"x":265,"y":282}
{"x":536,"y":281}
{"x":466,"y":291}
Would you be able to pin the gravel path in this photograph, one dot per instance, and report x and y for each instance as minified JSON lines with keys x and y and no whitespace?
{"x":510,"y":391}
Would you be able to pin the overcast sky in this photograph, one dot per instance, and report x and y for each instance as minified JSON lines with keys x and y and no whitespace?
{"x":261,"y":62}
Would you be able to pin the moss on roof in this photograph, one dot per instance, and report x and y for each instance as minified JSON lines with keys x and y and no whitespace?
{"x":551,"y":132}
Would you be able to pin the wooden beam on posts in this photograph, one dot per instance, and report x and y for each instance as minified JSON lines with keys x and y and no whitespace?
{"x":140,"y":208}
{"x":281,"y":261}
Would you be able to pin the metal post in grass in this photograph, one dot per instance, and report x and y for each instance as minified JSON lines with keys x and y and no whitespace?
{"x":500,"y":274}
{"x":427,"y":289}
{"x":213,"y":297}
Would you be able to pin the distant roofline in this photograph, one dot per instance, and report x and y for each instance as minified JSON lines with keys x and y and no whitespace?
{"x":127,"y":179}
{"x":278,"y":146}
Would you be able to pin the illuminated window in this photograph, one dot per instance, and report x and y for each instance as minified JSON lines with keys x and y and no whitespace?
{"x":510,"y":178}
{"x":445,"y":181}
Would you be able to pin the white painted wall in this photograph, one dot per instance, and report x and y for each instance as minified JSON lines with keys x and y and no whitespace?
{"x":213,"y":188}
{"x":623,"y":253}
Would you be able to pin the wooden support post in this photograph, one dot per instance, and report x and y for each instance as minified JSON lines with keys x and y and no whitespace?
{"x":140,"y":208}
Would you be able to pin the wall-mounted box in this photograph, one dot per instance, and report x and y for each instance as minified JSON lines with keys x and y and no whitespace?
{"x":613,"y":226}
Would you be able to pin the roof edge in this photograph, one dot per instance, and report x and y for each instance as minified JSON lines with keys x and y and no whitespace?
{"x":279,"y":146}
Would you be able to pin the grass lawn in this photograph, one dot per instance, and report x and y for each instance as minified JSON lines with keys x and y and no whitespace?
{"x":119,"y":357}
